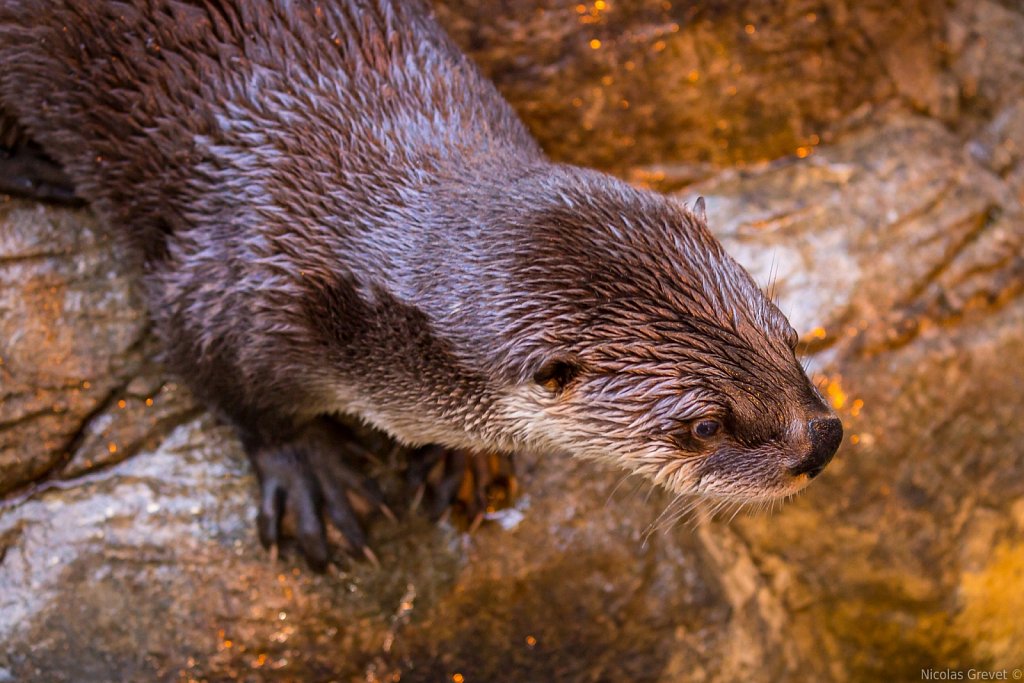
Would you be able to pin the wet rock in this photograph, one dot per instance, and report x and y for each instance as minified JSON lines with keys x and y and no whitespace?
{"x":880,"y":199}
{"x":70,"y":316}
{"x":1000,"y":146}
{"x":988,"y":57}
{"x":914,"y":230}
{"x":619,"y":84}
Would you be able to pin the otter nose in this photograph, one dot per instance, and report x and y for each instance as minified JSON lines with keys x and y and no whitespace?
{"x":824,"y":434}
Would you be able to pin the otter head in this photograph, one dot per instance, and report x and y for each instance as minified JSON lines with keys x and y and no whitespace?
{"x":643,"y":343}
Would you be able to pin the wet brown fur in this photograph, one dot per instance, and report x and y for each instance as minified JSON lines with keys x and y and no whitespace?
{"x":340,"y":214}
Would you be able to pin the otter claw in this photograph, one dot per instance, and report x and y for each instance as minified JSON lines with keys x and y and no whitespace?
{"x":305,"y":482}
{"x":371,"y":557}
{"x":268,"y":521}
{"x":417,"y":497}
{"x":473,"y":482}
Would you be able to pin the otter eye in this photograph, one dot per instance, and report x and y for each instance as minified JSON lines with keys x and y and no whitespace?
{"x":705,"y":429}
{"x":556,"y":374}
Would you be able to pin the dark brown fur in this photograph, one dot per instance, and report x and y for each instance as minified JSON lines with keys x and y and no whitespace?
{"x":340,"y":214}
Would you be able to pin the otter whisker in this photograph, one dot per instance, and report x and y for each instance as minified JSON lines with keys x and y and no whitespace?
{"x":773,"y":274}
{"x":650,"y":492}
{"x":654,"y":526}
{"x":687,"y":507}
{"x":691,"y":505}
{"x":716,"y":505}
{"x":681,"y":505}
{"x":738,"y":506}
{"x":638,"y":483}
{"x":701,"y":514}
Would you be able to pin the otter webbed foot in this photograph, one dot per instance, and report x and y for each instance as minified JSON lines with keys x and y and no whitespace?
{"x":470,"y":483}
{"x":304,"y":482}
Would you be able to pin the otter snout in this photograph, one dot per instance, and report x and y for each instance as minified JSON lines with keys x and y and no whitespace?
{"x":824,"y":434}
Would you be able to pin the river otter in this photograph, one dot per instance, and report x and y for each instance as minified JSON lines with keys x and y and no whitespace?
{"x":340,"y":214}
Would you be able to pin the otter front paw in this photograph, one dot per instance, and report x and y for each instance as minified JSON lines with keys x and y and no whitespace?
{"x":305,"y":481}
{"x":470,"y":482}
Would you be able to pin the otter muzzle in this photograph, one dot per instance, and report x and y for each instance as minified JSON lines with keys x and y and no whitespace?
{"x":824,"y":436}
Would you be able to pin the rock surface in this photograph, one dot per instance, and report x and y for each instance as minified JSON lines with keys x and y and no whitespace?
{"x":866,"y":159}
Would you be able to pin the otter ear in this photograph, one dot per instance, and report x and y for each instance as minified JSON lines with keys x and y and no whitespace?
{"x":557,"y":372}
{"x":699,"y":211}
